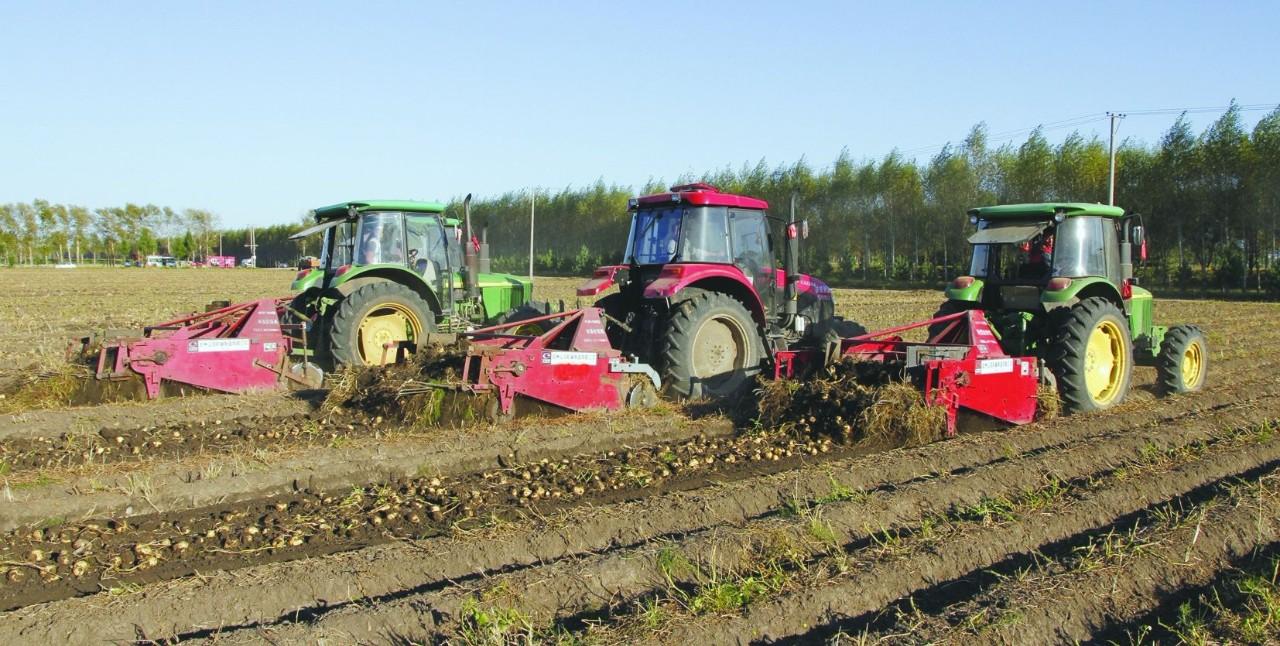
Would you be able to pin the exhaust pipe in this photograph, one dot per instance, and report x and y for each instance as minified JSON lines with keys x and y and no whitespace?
{"x":471,"y":277}
{"x":791,"y":256}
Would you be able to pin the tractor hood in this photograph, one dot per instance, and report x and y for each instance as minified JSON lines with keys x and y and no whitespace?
{"x":1008,"y":232}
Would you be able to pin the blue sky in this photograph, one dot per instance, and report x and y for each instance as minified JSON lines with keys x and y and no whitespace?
{"x":260,"y":111}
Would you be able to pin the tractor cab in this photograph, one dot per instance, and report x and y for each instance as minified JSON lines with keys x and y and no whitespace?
{"x":371,"y":236}
{"x":695,"y":224}
{"x":1035,"y":257}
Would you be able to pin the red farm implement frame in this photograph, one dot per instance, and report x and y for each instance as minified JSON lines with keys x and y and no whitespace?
{"x":231,"y":349}
{"x":961,"y":367}
{"x":571,"y":366}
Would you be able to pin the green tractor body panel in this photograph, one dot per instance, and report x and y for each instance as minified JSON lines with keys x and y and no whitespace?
{"x":1044,"y":211}
{"x":309,"y":279}
{"x":1147,"y":336}
{"x":969,"y":294}
{"x":1094,"y":285}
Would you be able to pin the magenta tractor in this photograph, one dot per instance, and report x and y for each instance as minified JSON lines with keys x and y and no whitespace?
{"x":700,"y":296}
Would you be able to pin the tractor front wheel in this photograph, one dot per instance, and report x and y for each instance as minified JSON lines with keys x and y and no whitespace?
{"x":1091,"y":355}
{"x":370,"y":321}
{"x":711,"y":348}
{"x":1183,"y":361}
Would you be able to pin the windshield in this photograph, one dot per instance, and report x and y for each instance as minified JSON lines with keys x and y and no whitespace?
{"x":381,"y":239}
{"x":697,"y":234}
{"x":1026,"y":262}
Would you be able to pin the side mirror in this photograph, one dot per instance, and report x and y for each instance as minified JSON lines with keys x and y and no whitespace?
{"x":1136,"y":235}
{"x":798,"y":230}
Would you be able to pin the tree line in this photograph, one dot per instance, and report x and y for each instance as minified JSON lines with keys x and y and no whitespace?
{"x":1210,"y":202}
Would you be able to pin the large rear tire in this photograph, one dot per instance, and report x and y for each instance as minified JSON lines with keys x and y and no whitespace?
{"x":1091,"y":355}
{"x":1183,"y":363}
{"x":711,"y":348}
{"x":373,"y":315}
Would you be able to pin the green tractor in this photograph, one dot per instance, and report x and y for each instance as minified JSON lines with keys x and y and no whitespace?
{"x":391,"y":272}
{"x":1056,"y":281}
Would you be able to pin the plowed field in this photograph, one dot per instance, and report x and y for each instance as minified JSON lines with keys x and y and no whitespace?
{"x":264,"y":520}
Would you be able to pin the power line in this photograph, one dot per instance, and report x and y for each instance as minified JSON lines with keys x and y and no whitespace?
{"x":1084,"y":119}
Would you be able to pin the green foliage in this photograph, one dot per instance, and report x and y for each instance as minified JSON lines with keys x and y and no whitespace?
{"x":1210,"y":202}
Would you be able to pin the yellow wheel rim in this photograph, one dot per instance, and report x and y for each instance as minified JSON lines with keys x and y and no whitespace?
{"x":1192,"y":365}
{"x":1105,"y":360}
{"x":388,"y":323}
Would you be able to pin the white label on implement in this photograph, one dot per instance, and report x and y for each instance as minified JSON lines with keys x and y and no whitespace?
{"x":553,"y":358}
{"x":218,"y":345}
{"x":994,"y":366}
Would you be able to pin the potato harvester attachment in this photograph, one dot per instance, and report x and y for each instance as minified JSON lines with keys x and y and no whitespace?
{"x":962,"y":367}
{"x":232,"y":349}
{"x":571,"y":366}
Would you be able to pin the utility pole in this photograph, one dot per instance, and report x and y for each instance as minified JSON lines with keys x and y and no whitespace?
{"x":1111,"y":152}
{"x":253,"y":248}
{"x":533,"y":199}
{"x":219,"y":243}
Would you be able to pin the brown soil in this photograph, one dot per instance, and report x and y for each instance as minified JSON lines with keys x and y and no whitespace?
{"x":740,"y":501}
{"x":398,"y":531}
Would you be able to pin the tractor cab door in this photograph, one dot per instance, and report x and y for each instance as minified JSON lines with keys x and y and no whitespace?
{"x":428,"y":249}
{"x":749,"y":233}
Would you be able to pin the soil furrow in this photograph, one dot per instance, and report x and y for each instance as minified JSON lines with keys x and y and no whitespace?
{"x":1081,"y":607}
{"x":408,"y":569}
{"x":594,"y":585}
{"x":247,"y":477}
{"x":865,"y":592}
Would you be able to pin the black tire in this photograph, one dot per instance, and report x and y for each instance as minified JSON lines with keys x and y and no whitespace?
{"x":1183,"y":363}
{"x":711,"y":348}
{"x":530,"y":310}
{"x":345,"y":341}
{"x":1068,"y":357}
{"x":947,"y":307}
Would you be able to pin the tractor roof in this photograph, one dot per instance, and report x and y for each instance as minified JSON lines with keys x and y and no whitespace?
{"x":341,"y":209}
{"x":1044,"y":210}
{"x":700,"y":194}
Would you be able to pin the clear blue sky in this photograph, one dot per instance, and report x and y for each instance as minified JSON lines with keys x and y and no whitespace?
{"x":261,"y":110}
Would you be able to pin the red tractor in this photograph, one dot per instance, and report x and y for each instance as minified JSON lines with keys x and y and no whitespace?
{"x":700,"y":296}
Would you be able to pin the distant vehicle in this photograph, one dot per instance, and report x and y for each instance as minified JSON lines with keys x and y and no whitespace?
{"x":65,"y":265}
{"x":225,"y":262}
{"x":249,"y":262}
{"x":162,"y":261}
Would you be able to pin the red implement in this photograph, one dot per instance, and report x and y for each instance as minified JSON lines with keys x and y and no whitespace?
{"x":572,"y":365}
{"x":232,"y":349}
{"x":962,"y":367}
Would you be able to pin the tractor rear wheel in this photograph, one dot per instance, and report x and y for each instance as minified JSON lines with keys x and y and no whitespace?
{"x":1091,"y":355}
{"x":373,"y":316}
{"x":711,"y":348}
{"x":1183,"y":361}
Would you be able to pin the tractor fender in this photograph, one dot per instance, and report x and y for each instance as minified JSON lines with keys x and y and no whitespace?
{"x":1080,"y":289}
{"x":725,"y":279}
{"x":391,"y":274}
